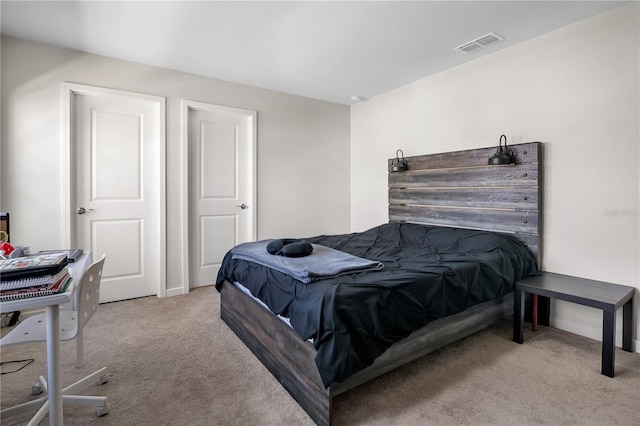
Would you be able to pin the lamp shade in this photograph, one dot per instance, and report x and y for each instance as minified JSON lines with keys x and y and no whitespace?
{"x":399,"y":164}
{"x":503,"y":155}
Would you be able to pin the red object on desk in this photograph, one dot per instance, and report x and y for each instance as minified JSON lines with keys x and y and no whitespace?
{"x":6,"y":249}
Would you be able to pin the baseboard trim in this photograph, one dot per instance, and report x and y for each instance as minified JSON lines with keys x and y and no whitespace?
{"x":179,"y":290}
{"x":174,"y":291}
{"x":590,"y":332}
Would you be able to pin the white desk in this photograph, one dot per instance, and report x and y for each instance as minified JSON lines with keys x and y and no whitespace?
{"x":52,"y":304}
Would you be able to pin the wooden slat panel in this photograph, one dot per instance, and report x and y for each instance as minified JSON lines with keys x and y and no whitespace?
{"x":524,"y":221}
{"x":447,"y":182}
{"x":506,"y":198}
{"x":471,"y":157}
{"x":279,"y":348}
{"x":485,"y":176}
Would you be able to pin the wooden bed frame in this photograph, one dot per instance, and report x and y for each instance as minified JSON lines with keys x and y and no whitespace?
{"x":450,"y":189}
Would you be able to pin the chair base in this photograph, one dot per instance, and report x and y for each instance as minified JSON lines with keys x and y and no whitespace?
{"x":68,"y":398}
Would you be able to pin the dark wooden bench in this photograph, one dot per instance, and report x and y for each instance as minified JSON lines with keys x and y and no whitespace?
{"x":597,"y":294}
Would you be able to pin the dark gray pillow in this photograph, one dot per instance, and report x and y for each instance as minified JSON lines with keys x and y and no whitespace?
{"x":289,"y":247}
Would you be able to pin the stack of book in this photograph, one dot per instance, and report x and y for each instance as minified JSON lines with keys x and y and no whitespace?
{"x":33,"y":276}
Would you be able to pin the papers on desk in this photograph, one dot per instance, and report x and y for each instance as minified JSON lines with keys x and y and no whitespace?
{"x":72,"y":254}
{"x":59,"y":286}
{"x":33,"y":276}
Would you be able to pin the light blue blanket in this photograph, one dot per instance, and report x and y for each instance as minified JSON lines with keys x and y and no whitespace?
{"x":321,"y":263}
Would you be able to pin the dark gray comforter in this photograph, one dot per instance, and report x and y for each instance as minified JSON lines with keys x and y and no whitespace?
{"x":429,"y":273}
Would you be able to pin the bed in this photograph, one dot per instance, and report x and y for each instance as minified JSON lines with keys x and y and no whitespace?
{"x":315,"y":352}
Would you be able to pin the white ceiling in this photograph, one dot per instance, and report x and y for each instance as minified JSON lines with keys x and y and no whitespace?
{"x":328,"y":50}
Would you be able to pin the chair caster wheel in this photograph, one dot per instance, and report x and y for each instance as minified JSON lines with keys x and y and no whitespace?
{"x":102,"y":411}
{"x":102,"y":380}
{"x":36,"y":389}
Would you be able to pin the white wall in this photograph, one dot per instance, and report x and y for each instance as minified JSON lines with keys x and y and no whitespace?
{"x":577,"y":91}
{"x":303,"y":145}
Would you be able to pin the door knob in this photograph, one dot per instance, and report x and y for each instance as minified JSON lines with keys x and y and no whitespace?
{"x":82,"y":210}
{"x":243,"y":206}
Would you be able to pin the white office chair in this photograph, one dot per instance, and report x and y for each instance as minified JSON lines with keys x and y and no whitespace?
{"x":33,"y":329}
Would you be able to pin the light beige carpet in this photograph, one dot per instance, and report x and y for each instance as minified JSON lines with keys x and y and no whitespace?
{"x":174,"y":362}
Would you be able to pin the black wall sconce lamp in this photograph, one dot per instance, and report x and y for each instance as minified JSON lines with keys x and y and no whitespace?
{"x":398,"y":164}
{"x":503,"y":155}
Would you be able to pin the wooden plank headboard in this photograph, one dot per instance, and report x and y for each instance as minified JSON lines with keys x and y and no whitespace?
{"x":459,"y":189}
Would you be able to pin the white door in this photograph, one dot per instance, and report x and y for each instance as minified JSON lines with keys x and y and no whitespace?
{"x":117,"y":191}
{"x":221,"y":145}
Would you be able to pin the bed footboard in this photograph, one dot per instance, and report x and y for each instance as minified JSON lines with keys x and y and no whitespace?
{"x":291,"y":360}
{"x":280,"y":349}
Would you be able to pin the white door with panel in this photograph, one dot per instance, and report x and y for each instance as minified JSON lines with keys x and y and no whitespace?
{"x":221,"y":144}
{"x":117,"y":145}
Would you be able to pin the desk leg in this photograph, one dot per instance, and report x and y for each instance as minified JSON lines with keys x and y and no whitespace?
{"x":54,"y":382}
{"x":627,"y":325}
{"x":518,"y":315}
{"x":608,"y":342}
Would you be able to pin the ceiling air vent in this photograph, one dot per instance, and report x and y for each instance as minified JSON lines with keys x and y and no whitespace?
{"x":479,"y":43}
